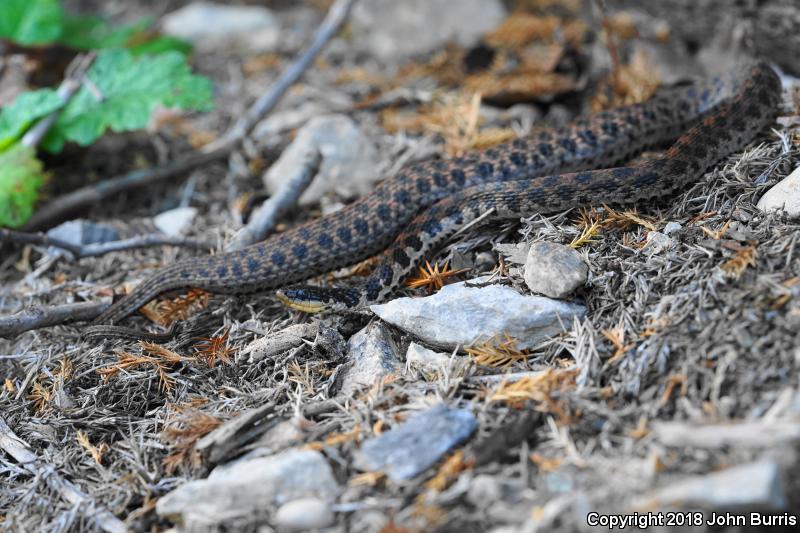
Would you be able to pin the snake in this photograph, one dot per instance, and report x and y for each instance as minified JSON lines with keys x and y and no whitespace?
{"x":414,"y":212}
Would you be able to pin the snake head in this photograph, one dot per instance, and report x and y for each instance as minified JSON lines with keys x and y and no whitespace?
{"x":311,"y":299}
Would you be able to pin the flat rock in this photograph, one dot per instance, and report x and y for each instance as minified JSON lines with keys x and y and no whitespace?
{"x":416,"y":444}
{"x":392,"y":30}
{"x":783,"y":196}
{"x":460,"y":315}
{"x":754,"y":486}
{"x":210,"y":26}
{"x":372,"y":355}
{"x":348,"y":162}
{"x":554,"y":270}
{"x":246,"y":487}
{"x":176,"y":221}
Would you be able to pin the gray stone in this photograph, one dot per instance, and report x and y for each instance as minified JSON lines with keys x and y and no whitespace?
{"x":392,"y":30}
{"x":348,"y":163}
{"x":749,"y":434}
{"x":484,"y":490}
{"x":783,"y":196}
{"x":672,"y":227}
{"x":210,"y":26}
{"x":657,"y":242}
{"x":459,"y":315}
{"x":175,"y":221}
{"x":304,"y":514}
{"x":755,"y":485}
{"x":244,"y":488}
{"x":554,"y":270}
{"x":430,"y":364}
{"x":371,"y":355}
{"x":83,"y":232}
{"x":410,"y":448}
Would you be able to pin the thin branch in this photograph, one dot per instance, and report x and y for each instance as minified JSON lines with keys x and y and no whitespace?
{"x":337,"y":15}
{"x":220,"y":149}
{"x":37,"y":317}
{"x":41,"y":239}
{"x":86,"y":196}
{"x":140,"y":241}
{"x":76,"y":71}
{"x":267,"y":215}
{"x":79,"y":251}
{"x":24,"y":455}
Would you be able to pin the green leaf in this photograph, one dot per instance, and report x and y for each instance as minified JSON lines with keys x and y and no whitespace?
{"x":159,"y":45}
{"x":94,"y":33}
{"x":16,"y":117}
{"x":90,"y":33}
{"x":130,"y":89}
{"x":20,"y":178}
{"x":30,"y":21}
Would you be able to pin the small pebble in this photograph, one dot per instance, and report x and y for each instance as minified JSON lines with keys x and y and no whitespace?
{"x":304,"y":514}
{"x":783,"y":196}
{"x":554,"y":270}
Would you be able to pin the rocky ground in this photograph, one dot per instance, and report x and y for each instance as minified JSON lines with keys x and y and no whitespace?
{"x":628,"y":359}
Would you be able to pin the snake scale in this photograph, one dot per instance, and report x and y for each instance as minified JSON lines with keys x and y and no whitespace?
{"x":411,"y":214}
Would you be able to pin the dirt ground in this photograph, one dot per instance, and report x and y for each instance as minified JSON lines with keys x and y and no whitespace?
{"x":701,"y":333}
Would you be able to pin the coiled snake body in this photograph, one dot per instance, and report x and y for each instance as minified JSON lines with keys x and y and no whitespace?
{"x":412,"y":213}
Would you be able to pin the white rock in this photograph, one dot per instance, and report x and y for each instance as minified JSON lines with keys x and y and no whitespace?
{"x":372,"y":354}
{"x":459,"y":315}
{"x":783,"y":196}
{"x":393,"y":30}
{"x":209,"y":26}
{"x":175,"y":221}
{"x":433,"y":364}
{"x":755,"y":485}
{"x":348,"y":163}
{"x":672,"y":227}
{"x":304,"y":514}
{"x":657,"y":242}
{"x":243,"y":488}
{"x":554,"y":270}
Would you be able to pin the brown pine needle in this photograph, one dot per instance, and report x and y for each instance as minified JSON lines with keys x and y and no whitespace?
{"x":540,"y":389}
{"x":40,"y":395}
{"x":591,"y":225}
{"x":159,"y":359}
{"x":736,"y":265}
{"x":448,"y":472}
{"x":367,"y":479}
{"x":182,"y":435}
{"x":335,"y":439}
{"x":214,"y":349}
{"x":625,"y":220}
{"x":672,"y":382}
{"x":616,"y":336}
{"x":493,"y":352}
{"x":432,"y":278}
{"x":166,"y":312}
{"x":546,"y":464}
{"x":97,"y":452}
{"x":302,"y":376}
{"x":717,"y":234}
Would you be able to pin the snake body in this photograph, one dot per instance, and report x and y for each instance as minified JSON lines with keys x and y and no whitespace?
{"x":410,"y":214}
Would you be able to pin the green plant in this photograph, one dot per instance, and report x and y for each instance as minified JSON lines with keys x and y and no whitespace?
{"x":133,"y":73}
